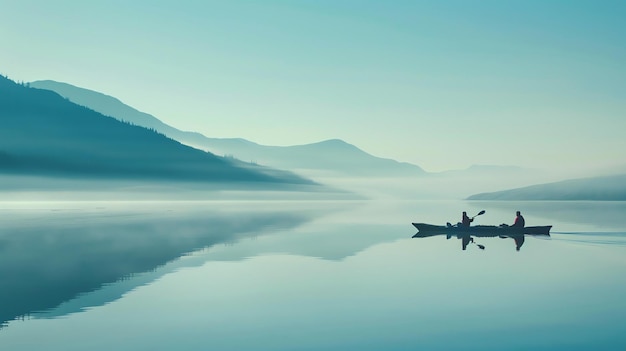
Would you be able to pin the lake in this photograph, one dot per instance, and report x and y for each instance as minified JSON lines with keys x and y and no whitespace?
{"x":308,"y":275}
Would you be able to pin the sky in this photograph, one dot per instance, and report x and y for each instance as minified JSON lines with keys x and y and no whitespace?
{"x":441,"y":84}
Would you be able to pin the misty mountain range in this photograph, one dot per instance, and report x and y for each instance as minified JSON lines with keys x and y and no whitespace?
{"x":334,"y":156}
{"x":43,"y":133}
{"x":73,"y":134}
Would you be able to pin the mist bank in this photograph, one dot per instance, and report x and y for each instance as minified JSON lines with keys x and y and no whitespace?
{"x":40,"y":188}
{"x":608,"y":188}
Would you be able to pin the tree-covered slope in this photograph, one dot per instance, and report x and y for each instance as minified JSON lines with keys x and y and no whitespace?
{"x":42,"y":133}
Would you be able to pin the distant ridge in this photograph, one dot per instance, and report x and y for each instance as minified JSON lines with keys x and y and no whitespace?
{"x":333,"y":155}
{"x":43,"y":134}
{"x":482,"y":169}
{"x":608,"y":188}
{"x":104,"y":104}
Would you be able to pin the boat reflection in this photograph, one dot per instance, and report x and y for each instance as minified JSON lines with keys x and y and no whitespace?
{"x":469,"y":236}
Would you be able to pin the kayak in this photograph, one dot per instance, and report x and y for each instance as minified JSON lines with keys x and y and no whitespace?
{"x":425,"y":230}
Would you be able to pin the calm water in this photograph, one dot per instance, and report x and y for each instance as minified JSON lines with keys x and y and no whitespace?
{"x":236,"y":275}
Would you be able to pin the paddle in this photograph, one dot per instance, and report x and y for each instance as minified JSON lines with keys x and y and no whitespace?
{"x":482,"y":247}
{"x":479,"y":213}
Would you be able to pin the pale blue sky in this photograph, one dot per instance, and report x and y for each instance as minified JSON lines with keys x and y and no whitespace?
{"x":442,"y":84}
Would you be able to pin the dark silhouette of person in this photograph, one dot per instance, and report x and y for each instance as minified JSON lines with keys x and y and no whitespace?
{"x":465,"y":220}
{"x":465,"y":240}
{"x":519,"y":220}
{"x":519,"y":241}
{"x":518,"y":238}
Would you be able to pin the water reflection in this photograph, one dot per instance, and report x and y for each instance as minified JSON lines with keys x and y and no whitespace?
{"x":468,"y":238}
{"x":346,"y":280}
{"x":48,"y":259}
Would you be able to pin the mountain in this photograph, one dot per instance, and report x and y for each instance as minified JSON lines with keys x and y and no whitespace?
{"x":334,"y":156}
{"x":608,"y":188}
{"x":41,"y":133}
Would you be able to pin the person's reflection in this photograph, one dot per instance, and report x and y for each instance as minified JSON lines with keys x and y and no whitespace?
{"x":519,"y":241}
{"x":465,"y":240}
{"x":518,"y":238}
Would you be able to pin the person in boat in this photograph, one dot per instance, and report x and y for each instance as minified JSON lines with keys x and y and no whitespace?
{"x":465,"y":220}
{"x":519,"y":220}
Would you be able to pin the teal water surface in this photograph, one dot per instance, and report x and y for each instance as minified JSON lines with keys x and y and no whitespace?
{"x":290,"y":275}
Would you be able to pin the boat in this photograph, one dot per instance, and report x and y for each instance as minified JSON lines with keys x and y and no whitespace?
{"x":426,"y":230}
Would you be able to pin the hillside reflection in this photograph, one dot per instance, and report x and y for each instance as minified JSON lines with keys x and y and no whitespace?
{"x":51,"y":261}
